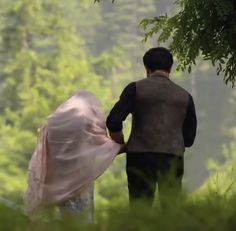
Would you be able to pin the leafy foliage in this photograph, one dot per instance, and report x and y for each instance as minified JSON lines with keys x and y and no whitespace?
{"x":206,"y":28}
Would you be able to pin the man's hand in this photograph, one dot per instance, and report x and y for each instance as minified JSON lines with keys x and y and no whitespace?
{"x":118,"y":137}
{"x":122,"y":149}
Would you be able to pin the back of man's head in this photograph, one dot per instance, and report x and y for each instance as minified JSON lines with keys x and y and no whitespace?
{"x":158,"y":58}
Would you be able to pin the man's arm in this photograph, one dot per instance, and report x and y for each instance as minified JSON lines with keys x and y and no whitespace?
{"x":119,"y":113}
{"x":190,"y":124}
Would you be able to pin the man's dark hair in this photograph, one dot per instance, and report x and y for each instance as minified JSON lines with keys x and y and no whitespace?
{"x":158,"y":58}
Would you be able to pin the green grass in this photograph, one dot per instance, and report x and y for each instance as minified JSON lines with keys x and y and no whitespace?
{"x":212,"y":212}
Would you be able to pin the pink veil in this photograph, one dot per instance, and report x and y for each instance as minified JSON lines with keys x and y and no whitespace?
{"x":73,"y":149}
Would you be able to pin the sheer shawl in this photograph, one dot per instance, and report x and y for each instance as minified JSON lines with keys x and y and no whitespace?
{"x":73,"y":149}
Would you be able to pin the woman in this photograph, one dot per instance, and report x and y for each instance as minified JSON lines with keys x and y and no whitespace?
{"x":72,"y":151}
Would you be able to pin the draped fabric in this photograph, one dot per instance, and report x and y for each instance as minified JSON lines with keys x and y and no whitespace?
{"x":73,"y":149}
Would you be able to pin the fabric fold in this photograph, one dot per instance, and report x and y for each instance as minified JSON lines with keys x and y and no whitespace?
{"x":73,"y":149}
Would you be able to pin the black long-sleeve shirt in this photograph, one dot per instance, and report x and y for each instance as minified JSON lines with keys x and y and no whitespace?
{"x":126,"y":105}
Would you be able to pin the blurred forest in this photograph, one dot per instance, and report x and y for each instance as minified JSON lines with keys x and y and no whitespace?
{"x":49,"y":49}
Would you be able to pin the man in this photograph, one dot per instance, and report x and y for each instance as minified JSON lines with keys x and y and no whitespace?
{"x":163,"y":124}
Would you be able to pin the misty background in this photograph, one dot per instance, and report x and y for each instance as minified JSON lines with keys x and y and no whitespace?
{"x":72,"y":45}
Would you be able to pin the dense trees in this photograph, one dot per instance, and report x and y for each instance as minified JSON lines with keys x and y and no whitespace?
{"x":48,"y":49}
{"x":206,"y":28}
{"x":43,"y":62}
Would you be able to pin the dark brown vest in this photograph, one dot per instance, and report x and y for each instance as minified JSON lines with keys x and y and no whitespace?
{"x":158,"y":117}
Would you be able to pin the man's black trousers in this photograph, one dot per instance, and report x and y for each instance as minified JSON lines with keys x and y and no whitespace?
{"x":146,"y":170}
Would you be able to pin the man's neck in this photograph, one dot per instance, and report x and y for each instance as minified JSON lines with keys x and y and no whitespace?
{"x":159,"y":73}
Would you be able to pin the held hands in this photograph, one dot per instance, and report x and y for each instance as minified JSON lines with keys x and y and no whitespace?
{"x":118,"y":137}
{"x":122,"y":149}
